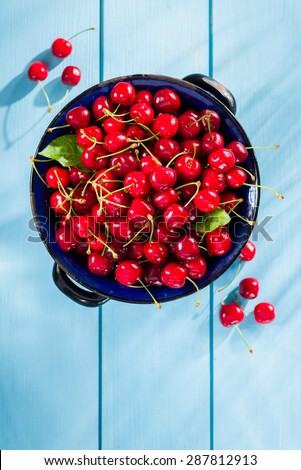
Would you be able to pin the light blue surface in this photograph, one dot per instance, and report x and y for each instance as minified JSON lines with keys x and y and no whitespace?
{"x":155,"y":365}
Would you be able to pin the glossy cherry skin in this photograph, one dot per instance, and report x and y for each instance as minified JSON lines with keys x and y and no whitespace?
{"x":116,"y":204}
{"x":128,"y":272}
{"x":118,"y":250}
{"x":105,"y":182}
{"x":166,"y":149}
{"x":189,"y":127}
{"x":231,"y":314}
{"x":58,"y":203}
{"x":239,"y":150}
{"x":61,"y":48}
{"x":163,"y":199}
{"x":82,"y":225}
{"x":192,"y":147}
{"x":206,"y":200}
{"x":166,"y":101}
{"x":196,"y":268}
{"x":174,"y":275}
{"x":99,"y":264}
{"x":163,"y":235}
{"x":78,"y":117}
{"x":136,"y":251}
{"x":235,"y":177}
{"x":264,"y":312}
{"x":152,"y":275}
{"x":91,"y":157}
{"x":135,"y":132}
{"x":248,"y":252}
{"x":162,"y":178}
{"x":139,"y":184}
{"x":186,"y":248}
{"x":230,"y":198}
{"x":213,"y":118}
{"x":126,"y":161}
{"x":188,"y":168}
{"x":57,"y":176}
{"x":114,"y":125}
{"x":212,"y":141}
{"x":249,"y":288}
{"x":175,"y":216}
{"x":83,"y":200}
{"x":165,"y":125}
{"x":144,"y":96}
{"x":99,"y":214}
{"x":71,"y":75}
{"x":148,"y":163}
{"x":88,"y":135}
{"x":142,"y":113}
{"x":139,"y":211}
{"x":222,"y":160}
{"x":155,"y":252}
{"x":37,"y":71}
{"x":116,"y":141}
{"x":121,"y":229}
{"x":65,"y":239}
{"x":78,"y":176}
{"x":99,"y":106}
{"x":218,"y":242}
{"x":214,"y":180}
{"x":123,"y":93}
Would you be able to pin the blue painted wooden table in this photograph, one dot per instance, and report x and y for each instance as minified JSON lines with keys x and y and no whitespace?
{"x":126,"y":376}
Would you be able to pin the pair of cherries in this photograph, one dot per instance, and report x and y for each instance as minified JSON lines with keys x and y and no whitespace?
{"x":71,"y":75}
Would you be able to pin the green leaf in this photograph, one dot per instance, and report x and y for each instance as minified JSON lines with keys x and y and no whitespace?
{"x":64,"y":150}
{"x":212,"y":220}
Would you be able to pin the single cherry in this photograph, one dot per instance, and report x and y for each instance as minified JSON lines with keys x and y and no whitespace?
{"x":206,"y":200}
{"x":248,"y":252}
{"x":196,"y":268}
{"x":212,"y":141}
{"x":239,"y":150}
{"x":163,"y":199}
{"x":174,"y":275}
{"x":138,"y":184}
{"x":156,"y":252}
{"x":100,"y":106}
{"x":65,"y":239}
{"x":222,"y":160}
{"x":88,"y":135}
{"x":37,"y":71}
{"x":124,"y":163}
{"x":264,"y":312}
{"x":175,"y":216}
{"x":165,"y":125}
{"x":162,"y":178}
{"x":152,"y":275}
{"x":235,"y":177}
{"x":214,"y":180}
{"x":218,"y":242}
{"x":166,"y":149}
{"x":71,"y":75}
{"x":188,"y":168}
{"x":231,"y":314}
{"x":128,"y":272}
{"x":186,"y":248}
{"x":166,"y":101}
{"x":57,"y":177}
{"x":99,"y":264}
{"x":142,"y":113}
{"x":249,"y":288}
{"x":144,"y":96}
{"x":78,"y":117}
{"x":123,"y":93}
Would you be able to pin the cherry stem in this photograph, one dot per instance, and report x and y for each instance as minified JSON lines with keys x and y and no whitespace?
{"x":61,"y":100}
{"x":198,"y":184}
{"x":46,"y":96}
{"x":115,"y":116}
{"x":116,"y":191}
{"x":50,"y":129}
{"x":107,"y":232}
{"x":32,"y":159}
{"x":250,"y":222}
{"x":230,"y":282}
{"x":151,"y":154}
{"x":158,"y":305}
{"x":243,"y":338}
{"x":246,"y":171}
{"x":132,"y":146}
{"x":115,"y":256}
{"x":265,"y":187}
{"x":232,"y":200}
{"x":175,"y":157}
{"x":136,"y":235}
{"x":148,"y":130}
{"x":92,"y":139}
{"x":198,"y":302}
{"x":80,"y":32}
{"x":263,"y":147}
{"x":151,"y":219}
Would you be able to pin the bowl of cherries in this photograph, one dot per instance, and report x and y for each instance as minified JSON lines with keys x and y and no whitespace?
{"x":144,"y":189}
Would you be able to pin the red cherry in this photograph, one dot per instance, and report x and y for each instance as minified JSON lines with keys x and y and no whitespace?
{"x":174,"y":275}
{"x":71,"y":75}
{"x":142,"y":113}
{"x":196,"y":268}
{"x":166,"y":149}
{"x":187,"y":168}
{"x":248,"y":252}
{"x":144,"y":96}
{"x":229,"y":198}
{"x":78,"y":117}
{"x":135,"y":132}
{"x":212,"y":141}
{"x":128,"y":272}
{"x":264,"y":312}
{"x":239,"y":150}
{"x":117,"y":251}
{"x":163,"y":235}
{"x":235,"y":177}
{"x":78,"y":176}
{"x":148,"y":163}
{"x":65,"y":239}
{"x":61,"y":48}
{"x":186,"y":248}
{"x":83,"y":200}
{"x":139,"y":184}
{"x":121,"y":229}
{"x":207,"y":200}
{"x":91,"y":157}
{"x":114,"y":125}
{"x":136,"y":251}
{"x":87,"y":135}
{"x":213,"y":179}
{"x":37,"y":71}
{"x":189,"y":127}
{"x":152,"y":275}
{"x":162,"y":178}
{"x":97,"y":239}
{"x":140,"y":211}
{"x":99,"y":264}
{"x":123,"y":93}
{"x":115,"y":141}
{"x":126,"y":161}
{"x":82,"y":225}
{"x":165,"y":125}
{"x":105,"y":181}
{"x":166,"y":101}
{"x":57,"y":176}
{"x":100,"y":104}
{"x":99,"y":215}
{"x":231,"y":314}
{"x":58,"y":203}
{"x":116,"y":204}
{"x":222,"y":160}
{"x":163,"y":199}
{"x":156,"y":252}
{"x":175,"y":216}
{"x":211,"y":122}
{"x":192,"y":147}
{"x":218,"y":242}
{"x":249,"y":288}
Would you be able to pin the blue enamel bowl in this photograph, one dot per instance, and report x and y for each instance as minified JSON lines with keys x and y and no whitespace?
{"x":70,"y":270}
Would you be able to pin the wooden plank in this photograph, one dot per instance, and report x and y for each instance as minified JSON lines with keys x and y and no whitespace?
{"x":49,"y":345}
{"x":257,"y":398}
{"x":156,"y":364}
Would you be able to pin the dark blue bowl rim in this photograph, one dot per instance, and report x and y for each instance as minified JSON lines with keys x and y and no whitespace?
{"x":185,"y":84}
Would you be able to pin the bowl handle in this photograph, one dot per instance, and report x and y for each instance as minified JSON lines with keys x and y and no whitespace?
{"x":74,"y":292}
{"x":214,"y":88}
